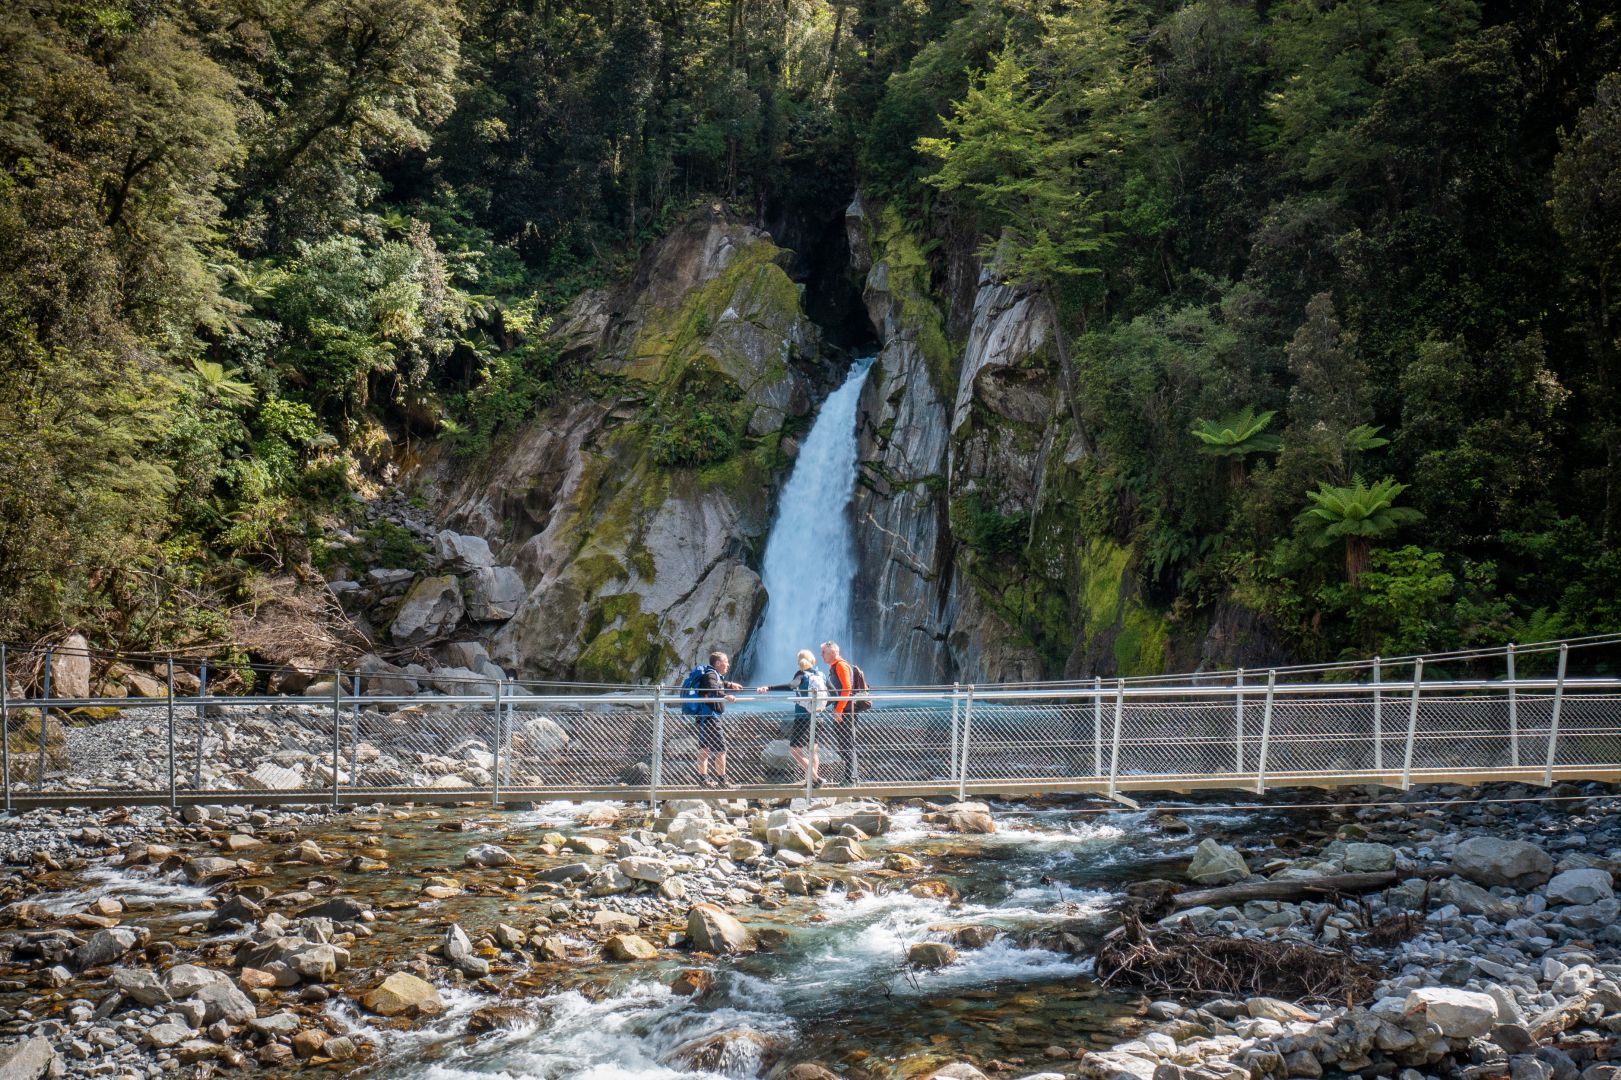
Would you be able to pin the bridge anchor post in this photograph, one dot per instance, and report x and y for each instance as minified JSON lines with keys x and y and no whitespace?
{"x":1553,"y":718}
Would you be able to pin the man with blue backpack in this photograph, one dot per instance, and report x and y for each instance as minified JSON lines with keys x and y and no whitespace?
{"x":704,"y":697}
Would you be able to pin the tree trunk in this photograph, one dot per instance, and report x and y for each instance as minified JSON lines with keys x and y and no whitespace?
{"x":1356,"y":559}
{"x":1297,"y":889}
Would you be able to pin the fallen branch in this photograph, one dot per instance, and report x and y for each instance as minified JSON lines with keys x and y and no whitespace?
{"x":1299,"y":888}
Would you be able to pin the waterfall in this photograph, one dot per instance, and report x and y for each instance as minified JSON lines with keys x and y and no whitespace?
{"x":810,"y":556}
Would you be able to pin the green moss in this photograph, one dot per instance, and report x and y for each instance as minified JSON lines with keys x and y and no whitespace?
{"x":909,"y":276}
{"x":1139,"y":647}
{"x":591,"y":572}
{"x":1140,"y":635}
{"x":625,"y":643}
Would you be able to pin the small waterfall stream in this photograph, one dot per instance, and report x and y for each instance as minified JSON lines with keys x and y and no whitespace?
{"x":810,"y":557}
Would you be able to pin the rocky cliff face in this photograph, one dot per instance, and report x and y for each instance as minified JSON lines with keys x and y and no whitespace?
{"x":971,"y":563}
{"x":634,"y":565}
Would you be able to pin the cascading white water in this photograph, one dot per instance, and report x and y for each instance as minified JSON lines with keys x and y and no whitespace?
{"x":810,"y":557}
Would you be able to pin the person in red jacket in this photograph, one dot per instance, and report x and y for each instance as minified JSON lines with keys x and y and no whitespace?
{"x":840,"y":683}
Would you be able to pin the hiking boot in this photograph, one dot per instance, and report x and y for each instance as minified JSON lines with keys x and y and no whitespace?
{"x":706,"y":781}
{"x":722,"y":782}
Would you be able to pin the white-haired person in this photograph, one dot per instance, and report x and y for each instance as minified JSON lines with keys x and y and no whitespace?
{"x":809,"y":687}
{"x":847,"y":686}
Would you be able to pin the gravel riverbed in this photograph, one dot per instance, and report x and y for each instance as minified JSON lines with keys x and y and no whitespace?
{"x":143,"y":942}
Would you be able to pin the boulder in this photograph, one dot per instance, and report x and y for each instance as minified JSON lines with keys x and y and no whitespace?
{"x":870,"y":818}
{"x":735,"y":1052}
{"x":1584,"y":886}
{"x":104,"y":947}
{"x":1491,"y":860}
{"x":488,"y":855}
{"x":1458,"y":1014}
{"x":575,"y":871}
{"x":223,"y":1001}
{"x":272,"y":777}
{"x":626,"y":947}
{"x":185,"y":980}
{"x":141,"y":985}
{"x":931,"y":954}
{"x":842,"y":849}
{"x":641,"y":868}
{"x":539,"y":736}
{"x":28,"y":1059}
{"x":498,"y":1018}
{"x":1369,"y":858}
{"x":340,"y":909}
{"x":383,"y":679}
{"x":494,"y":593}
{"x":1115,"y":1065}
{"x":460,"y":553}
{"x":402,"y":994}
{"x":431,"y":609}
{"x":587,"y":845}
{"x":71,"y":668}
{"x":785,"y":831}
{"x":710,"y":929}
{"x":1217,"y":864}
{"x":778,"y":760}
{"x":968,"y":821}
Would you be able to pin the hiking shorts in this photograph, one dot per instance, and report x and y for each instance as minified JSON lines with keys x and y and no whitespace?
{"x":799,"y":736}
{"x":711,"y":734}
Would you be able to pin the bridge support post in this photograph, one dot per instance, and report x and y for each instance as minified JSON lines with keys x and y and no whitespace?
{"x":956,"y":716}
{"x":1097,"y":725}
{"x":1266,"y":730}
{"x":354,"y":735}
{"x":967,"y":729}
{"x":1553,"y":718}
{"x":197,"y":762}
{"x":656,"y":773}
{"x":45,"y":711}
{"x":506,"y":734}
{"x":5,"y":726}
{"x":495,"y":749}
{"x":337,"y":729}
{"x":1378,"y":717}
{"x":1412,"y":726}
{"x":812,"y":754}
{"x":173,"y":793}
{"x":1238,"y":724}
{"x":1513,"y":710}
{"x":1119,"y":718}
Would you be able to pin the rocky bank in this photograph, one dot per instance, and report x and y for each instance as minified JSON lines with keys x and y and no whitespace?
{"x":247,"y":939}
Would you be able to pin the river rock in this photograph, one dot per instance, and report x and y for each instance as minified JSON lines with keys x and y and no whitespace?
{"x":575,"y":871}
{"x":1583,"y":886}
{"x":1217,"y":864}
{"x":587,"y":845}
{"x":842,"y":849}
{"x":167,"y":1035}
{"x":340,"y":909}
{"x":711,"y":929}
{"x":488,"y":855}
{"x":273,"y":777}
{"x":1471,"y":899}
{"x":1459,"y":1014}
{"x":283,"y":1023}
{"x":458,"y":951}
{"x":692,"y":982}
{"x":223,"y":1001}
{"x":626,"y":947}
{"x":931,"y":954}
{"x":1115,"y":1065}
{"x":186,"y":980}
{"x":957,"y":1070}
{"x":432,"y":608}
{"x":383,"y":679}
{"x":28,"y":1059}
{"x":201,"y":871}
{"x":309,"y":1042}
{"x":1492,"y":860}
{"x":498,"y":1018}
{"x":402,"y":994}
{"x":735,"y":1052}
{"x":611,"y":881}
{"x":743,"y":849}
{"x":141,"y":985}
{"x":974,"y":822}
{"x":1362,"y":858}
{"x":104,"y":947}
{"x":641,"y":868}
{"x":784,"y":830}
{"x":870,"y":818}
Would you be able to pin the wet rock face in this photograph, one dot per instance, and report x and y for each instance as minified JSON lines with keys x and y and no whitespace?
{"x":629,"y":566}
{"x":938,"y":425}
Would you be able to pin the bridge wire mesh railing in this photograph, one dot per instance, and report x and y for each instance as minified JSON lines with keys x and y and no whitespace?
{"x":502,"y":740}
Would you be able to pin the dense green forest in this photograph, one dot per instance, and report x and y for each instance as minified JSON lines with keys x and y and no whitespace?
{"x":1338,"y":281}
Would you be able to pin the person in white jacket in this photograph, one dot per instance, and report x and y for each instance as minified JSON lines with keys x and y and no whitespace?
{"x":810,"y":697}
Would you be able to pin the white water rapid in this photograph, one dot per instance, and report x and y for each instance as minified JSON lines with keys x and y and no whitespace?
{"x":810,"y":557}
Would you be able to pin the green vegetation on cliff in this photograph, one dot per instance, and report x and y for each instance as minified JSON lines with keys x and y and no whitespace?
{"x":250,"y":252}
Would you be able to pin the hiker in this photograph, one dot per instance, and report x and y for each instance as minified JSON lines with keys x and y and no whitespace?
{"x":810,"y":698}
{"x":706,"y":692}
{"x":848,"y":686}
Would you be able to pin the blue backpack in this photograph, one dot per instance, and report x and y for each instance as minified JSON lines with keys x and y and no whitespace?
{"x":693,"y":703}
